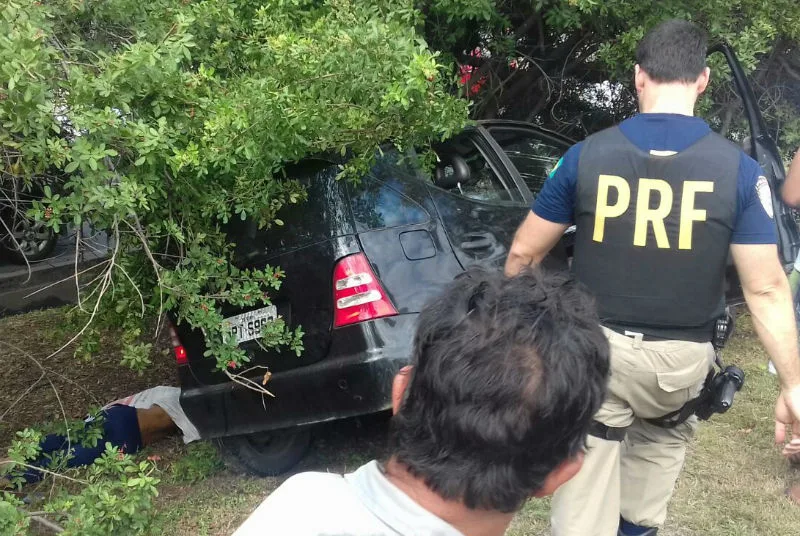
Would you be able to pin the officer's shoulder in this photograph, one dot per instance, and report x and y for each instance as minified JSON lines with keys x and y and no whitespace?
{"x":609,"y":131}
{"x":733,"y":146}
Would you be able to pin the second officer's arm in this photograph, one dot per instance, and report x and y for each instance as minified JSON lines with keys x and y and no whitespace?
{"x":550,"y":216}
{"x":766,"y":290}
{"x":791,"y":187}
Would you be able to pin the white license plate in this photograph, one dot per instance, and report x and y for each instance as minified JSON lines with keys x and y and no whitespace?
{"x":248,"y":326}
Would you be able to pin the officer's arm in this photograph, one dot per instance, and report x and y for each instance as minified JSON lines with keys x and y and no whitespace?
{"x":533,"y":241}
{"x":550,"y":215}
{"x":766,"y":290}
{"x":791,"y":188}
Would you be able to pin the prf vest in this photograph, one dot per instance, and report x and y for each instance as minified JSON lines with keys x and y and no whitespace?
{"x":653,"y":233}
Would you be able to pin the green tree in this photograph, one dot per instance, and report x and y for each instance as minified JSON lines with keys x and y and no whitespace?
{"x":551,"y":61}
{"x":170,"y":118}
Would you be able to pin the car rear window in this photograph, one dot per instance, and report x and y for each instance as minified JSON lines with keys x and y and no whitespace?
{"x":377,"y":200}
{"x":321,"y":217}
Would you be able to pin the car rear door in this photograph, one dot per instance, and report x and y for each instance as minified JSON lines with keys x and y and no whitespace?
{"x":482,"y":209}
{"x":314,"y":235}
{"x":530,"y":154}
{"x":399,"y":232}
{"x":761,"y":147}
{"x":733,"y":113}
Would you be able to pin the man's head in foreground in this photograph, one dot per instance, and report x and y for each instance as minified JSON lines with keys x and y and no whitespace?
{"x":671,"y":66}
{"x":505,"y":379}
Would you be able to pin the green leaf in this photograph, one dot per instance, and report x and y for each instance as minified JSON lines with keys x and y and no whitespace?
{"x":72,"y":166}
{"x":139,"y":161}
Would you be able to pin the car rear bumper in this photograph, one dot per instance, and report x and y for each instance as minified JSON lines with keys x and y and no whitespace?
{"x":354,"y":379}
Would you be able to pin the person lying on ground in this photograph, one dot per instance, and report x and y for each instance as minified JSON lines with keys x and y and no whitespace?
{"x":494,"y":409}
{"x":129,"y":424}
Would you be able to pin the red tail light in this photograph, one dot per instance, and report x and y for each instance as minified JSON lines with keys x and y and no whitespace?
{"x":180,"y":355}
{"x":180,"y":352}
{"x":357,"y":293}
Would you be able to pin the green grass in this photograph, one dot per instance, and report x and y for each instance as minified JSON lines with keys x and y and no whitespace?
{"x":734,"y":479}
{"x":733,"y":483}
{"x":201,"y":461}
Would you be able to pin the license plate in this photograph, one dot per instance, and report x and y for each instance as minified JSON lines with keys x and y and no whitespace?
{"x":248,"y":326}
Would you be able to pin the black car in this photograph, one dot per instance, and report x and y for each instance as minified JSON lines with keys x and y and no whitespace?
{"x":22,"y":239}
{"x":362,"y":260}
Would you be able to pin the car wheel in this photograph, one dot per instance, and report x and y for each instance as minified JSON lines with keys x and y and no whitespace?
{"x":265,"y":453}
{"x":29,"y":241}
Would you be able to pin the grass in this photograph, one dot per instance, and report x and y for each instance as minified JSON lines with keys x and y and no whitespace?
{"x":733,"y":482}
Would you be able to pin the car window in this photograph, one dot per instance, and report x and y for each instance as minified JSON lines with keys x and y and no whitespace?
{"x":320,"y":217}
{"x":377,"y":201}
{"x":533,"y":157}
{"x":464,"y":170}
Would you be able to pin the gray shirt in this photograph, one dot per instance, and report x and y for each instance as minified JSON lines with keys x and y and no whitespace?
{"x":363,"y":503}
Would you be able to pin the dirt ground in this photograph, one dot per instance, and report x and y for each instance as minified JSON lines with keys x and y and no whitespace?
{"x":31,"y":394}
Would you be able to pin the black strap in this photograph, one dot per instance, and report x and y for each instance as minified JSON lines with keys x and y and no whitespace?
{"x":679,"y":416}
{"x":609,"y":433}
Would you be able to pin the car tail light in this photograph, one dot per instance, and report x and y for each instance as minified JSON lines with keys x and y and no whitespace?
{"x":357,"y":293}
{"x":180,"y":352}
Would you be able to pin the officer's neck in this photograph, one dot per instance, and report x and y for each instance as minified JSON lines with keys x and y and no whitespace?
{"x":668,"y":99}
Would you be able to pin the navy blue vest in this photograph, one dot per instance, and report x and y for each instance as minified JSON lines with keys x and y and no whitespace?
{"x":653,"y":233}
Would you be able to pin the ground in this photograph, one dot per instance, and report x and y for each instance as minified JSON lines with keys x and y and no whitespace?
{"x":733,"y":483}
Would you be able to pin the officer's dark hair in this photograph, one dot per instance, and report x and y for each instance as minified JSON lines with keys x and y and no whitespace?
{"x":673,"y":51}
{"x":507,"y":375}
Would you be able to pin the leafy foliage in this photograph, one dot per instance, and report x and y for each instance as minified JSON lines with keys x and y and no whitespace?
{"x":118,"y":498}
{"x":201,"y":461}
{"x":161,"y":121}
{"x":567,"y":64}
{"x":12,"y":520}
{"x":115,"y":497}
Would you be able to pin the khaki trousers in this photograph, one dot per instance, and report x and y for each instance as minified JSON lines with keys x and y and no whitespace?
{"x":636,"y":477}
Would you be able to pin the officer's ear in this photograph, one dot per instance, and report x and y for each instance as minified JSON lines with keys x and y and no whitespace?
{"x":561,"y":475}
{"x":639,"y":78}
{"x":702,"y":80}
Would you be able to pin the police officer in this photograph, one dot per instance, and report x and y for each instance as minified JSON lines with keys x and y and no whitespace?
{"x":658,"y":202}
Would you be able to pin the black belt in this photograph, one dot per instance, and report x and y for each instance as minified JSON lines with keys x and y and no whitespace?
{"x":609,"y":433}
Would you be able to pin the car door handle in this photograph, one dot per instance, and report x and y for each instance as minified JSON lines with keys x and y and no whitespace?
{"x":478,"y":241}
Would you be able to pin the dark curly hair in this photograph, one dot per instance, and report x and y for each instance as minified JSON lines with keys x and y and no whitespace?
{"x":508,"y":373}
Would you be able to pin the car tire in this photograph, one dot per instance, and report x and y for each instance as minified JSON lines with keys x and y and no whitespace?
{"x":37,"y":241}
{"x":265,"y":453}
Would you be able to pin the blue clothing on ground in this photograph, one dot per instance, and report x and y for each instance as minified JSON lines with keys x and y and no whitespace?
{"x":661,"y":132}
{"x":120,"y":428}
